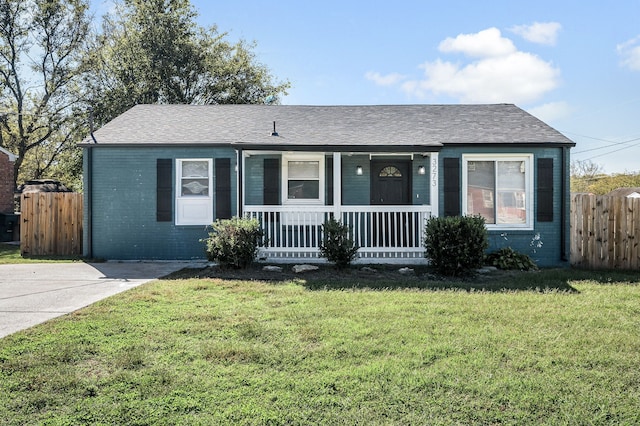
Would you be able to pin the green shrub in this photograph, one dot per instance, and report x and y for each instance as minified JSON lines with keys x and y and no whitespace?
{"x":455,"y":245}
{"x":508,"y":258}
{"x":234,"y":242}
{"x":336,"y":245}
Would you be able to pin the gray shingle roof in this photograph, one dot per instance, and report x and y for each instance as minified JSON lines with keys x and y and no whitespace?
{"x":250,"y":126}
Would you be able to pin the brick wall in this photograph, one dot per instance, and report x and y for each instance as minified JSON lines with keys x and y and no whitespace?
{"x":6,"y":183}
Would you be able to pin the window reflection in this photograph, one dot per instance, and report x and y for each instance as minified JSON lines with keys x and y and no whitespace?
{"x":195,"y":178}
{"x":496,"y":190}
{"x":303,"y":180}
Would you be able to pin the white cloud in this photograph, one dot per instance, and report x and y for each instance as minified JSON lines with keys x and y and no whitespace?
{"x":498,"y":73}
{"x":495,"y":71}
{"x":384,"y":80}
{"x":551,"y":111}
{"x":486,"y":43}
{"x":630,"y":53}
{"x":539,"y":32}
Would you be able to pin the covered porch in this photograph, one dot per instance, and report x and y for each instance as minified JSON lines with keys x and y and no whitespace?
{"x":385,"y":198}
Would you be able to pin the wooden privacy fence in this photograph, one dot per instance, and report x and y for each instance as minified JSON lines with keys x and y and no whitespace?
{"x":605,"y":232}
{"x":51,"y":224}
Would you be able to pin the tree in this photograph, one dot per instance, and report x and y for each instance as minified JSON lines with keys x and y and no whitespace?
{"x":605,"y":184}
{"x":152,"y":51}
{"x":583,"y":174}
{"x":587,"y":176}
{"x":41,"y":43}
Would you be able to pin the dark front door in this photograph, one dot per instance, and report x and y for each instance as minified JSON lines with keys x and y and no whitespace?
{"x":391,"y":185}
{"x":390,"y":182}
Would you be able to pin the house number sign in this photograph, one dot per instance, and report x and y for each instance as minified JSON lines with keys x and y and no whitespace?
{"x":434,"y":171}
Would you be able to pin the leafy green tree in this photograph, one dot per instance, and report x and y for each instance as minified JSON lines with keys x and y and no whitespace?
{"x":41,"y":43}
{"x":587,"y":176}
{"x":152,"y":51}
{"x":606,"y":184}
{"x":583,"y":174}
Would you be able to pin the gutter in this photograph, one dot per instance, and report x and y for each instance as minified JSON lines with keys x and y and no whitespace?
{"x":89,"y":190}
{"x":563,"y":206}
{"x":88,"y":199}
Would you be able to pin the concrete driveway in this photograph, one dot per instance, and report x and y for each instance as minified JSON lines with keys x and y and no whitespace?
{"x":34,"y":293}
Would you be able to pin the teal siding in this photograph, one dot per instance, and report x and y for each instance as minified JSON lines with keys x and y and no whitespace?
{"x":124,"y":222}
{"x":355,"y":188}
{"x":421,"y":187}
{"x":254,"y":179}
{"x":550,"y":253}
{"x":123,"y":201}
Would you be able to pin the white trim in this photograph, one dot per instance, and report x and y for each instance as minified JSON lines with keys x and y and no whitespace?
{"x":434,"y":195}
{"x":529,"y":193}
{"x":337,"y":182}
{"x":193,"y":209}
{"x":239,"y":181}
{"x":307,"y":156}
{"x":294,"y":232}
{"x":12,"y":157}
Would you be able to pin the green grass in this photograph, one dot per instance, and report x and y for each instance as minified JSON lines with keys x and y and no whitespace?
{"x":213,"y":351}
{"x":10,"y":254}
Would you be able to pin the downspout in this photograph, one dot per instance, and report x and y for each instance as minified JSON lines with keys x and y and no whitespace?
{"x":89,"y":203}
{"x":88,"y":192}
{"x":563,"y":206}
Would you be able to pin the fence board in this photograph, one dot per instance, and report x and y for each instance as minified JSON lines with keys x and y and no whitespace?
{"x":605,"y":232}
{"x":51,"y":224}
{"x":591,"y":241}
{"x":577,"y":230}
{"x":620,"y":232}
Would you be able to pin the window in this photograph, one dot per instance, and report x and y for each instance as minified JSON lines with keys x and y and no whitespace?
{"x":303,"y":177}
{"x":194,"y":192}
{"x":390,"y":171}
{"x":499,"y":188}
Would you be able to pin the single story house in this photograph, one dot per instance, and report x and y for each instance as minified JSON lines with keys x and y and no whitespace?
{"x":158,"y":175}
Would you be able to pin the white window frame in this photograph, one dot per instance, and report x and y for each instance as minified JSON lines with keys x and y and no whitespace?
{"x":319,"y":157}
{"x":193,"y":209}
{"x":529,"y":192}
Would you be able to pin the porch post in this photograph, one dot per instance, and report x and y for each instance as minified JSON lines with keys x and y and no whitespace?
{"x":434,"y":198}
{"x":337,"y":185}
{"x":241,"y":164}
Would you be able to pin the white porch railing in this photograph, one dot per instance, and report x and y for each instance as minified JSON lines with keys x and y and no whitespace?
{"x":385,"y":234}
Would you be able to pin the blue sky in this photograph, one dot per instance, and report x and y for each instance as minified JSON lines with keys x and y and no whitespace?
{"x":574,"y":64}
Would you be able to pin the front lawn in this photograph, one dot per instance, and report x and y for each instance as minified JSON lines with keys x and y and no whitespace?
{"x":10,"y":254}
{"x":222,"y":351}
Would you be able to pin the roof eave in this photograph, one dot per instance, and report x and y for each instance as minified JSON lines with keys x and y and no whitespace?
{"x":569,"y":144}
{"x":274,"y":147}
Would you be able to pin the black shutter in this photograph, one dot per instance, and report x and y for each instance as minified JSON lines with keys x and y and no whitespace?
{"x":164,"y":190}
{"x":223,"y":188}
{"x":452,"y":187}
{"x":271,"y":188}
{"x":545,"y":190}
{"x":329,"y":180}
